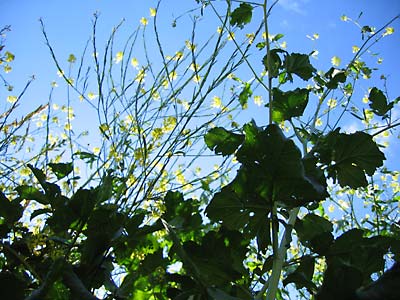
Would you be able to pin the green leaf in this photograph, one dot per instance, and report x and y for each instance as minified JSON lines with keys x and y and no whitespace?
{"x":241,"y":15}
{"x":245,"y":94}
{"x":300,"y":65}
{"x":286,"y":105}
{"x":277,"y":37}
{"x":272,"y":170}
{"x":335,"y":76}
{"x":349,"y":157}
{"x":223,"y":141}
{"x":302,"y":276}
{"x":314,"y":232}
{"x":227,"y":207}
{"x":378,"y":102}
{"x":275,"y":62}
{"x":61,"y":170}
{"x":31,"y":193}
{"x":11,"y":211}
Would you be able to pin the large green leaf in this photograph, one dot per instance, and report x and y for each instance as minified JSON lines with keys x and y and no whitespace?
{"x":286,"y":105}
{"x":299,"y":64}
{"x":378,"y":102}
{"x":241,"y":15}
{"x":271,"y":170}
{"x":222,"y":141}
{"x":314,"y":232}
{"x":349,"y":157}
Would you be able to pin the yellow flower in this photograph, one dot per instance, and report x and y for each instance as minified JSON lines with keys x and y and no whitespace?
{"x":318,"y":122}
{"x":331,"y":208}
{"x":153,"y":12}
{"x":258,"y":100}
{"x":194,"y":67}
{"x":144,"y":21}
{"x":169,"y":123}
{"x":118,"y":57}
{"x":141,"y":75}
{"x":219,"y":29}
{"x":190,"y":46}
{"x":231,"y":36}
{"x":332,"y":103}
{"x":96,"y":150}
{"x":173,"y":75}
{"x":92,"y":96}
{"x":344,"y":18}
{"x":355,"y":49}
{"x":216,"y":102}
{"x":335,"y":61}
{"x":388,"y":31}
{"x":12,"y":99}
{"x":134,"y":62}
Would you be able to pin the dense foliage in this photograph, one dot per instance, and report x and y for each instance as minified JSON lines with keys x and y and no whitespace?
{"x":144,"y":222}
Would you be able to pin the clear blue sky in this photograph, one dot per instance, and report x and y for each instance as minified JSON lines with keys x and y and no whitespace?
{"x":68,"y":24}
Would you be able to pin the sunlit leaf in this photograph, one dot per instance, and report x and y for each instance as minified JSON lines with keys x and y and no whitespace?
{"x":286,"y":105}
{"x":222,"y":141}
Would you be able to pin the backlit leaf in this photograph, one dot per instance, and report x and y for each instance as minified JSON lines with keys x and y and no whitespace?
{"x":223,"y":141}
{"x":241,"y":15}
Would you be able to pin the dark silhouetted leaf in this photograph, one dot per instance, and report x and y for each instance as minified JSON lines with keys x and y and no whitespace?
{"x":11,"y":211}
{"x":302,"y":276}
{"x":61,"y":170}
{"x":242,"y":15}
{"x":335,"y":76}
{"x":378,"y":102}
{"x":31,"y":193}
{"x":223,"y":141}
{"x":349,"y":157}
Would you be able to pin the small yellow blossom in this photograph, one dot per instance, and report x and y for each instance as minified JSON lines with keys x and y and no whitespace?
{"x":141,"y":75}
{"x":144,"y":21}
{"x":60,"y":73}
{"x":231,"y":36}
{"x":388,"y":31}
{"x":173,"y":75}
{"x":153,"y":12}
{"x":118,"y":57}
{"x":7,"y":68}
{"x":134,"y":62}
{"x":92,"y":96}
{"x":96,"y":150}
{"x":335,"y":61}
{"x":365,"y":99}
{"x":258,"y":100}
{"x":355,"y":49}
{"x":194,"y":67}
{"x":197,"y":78}
{"x":12,"y":99}
{"x":68,"y":126}
{"x":190,"y":46}
{"x":331,"y":208}
{"x":216,"y":102}
{"x":54,"y":84}
{"x":332,"y":103}
{"x":219,"y":29}
{"x":283,"y":45}
{"x":178,"y":55}
{"x":344,"y":18}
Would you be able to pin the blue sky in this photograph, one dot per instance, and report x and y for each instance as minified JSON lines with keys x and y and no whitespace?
{"x":68,"y":24}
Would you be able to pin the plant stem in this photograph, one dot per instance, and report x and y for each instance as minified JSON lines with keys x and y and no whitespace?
{"x":280,"y":255}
